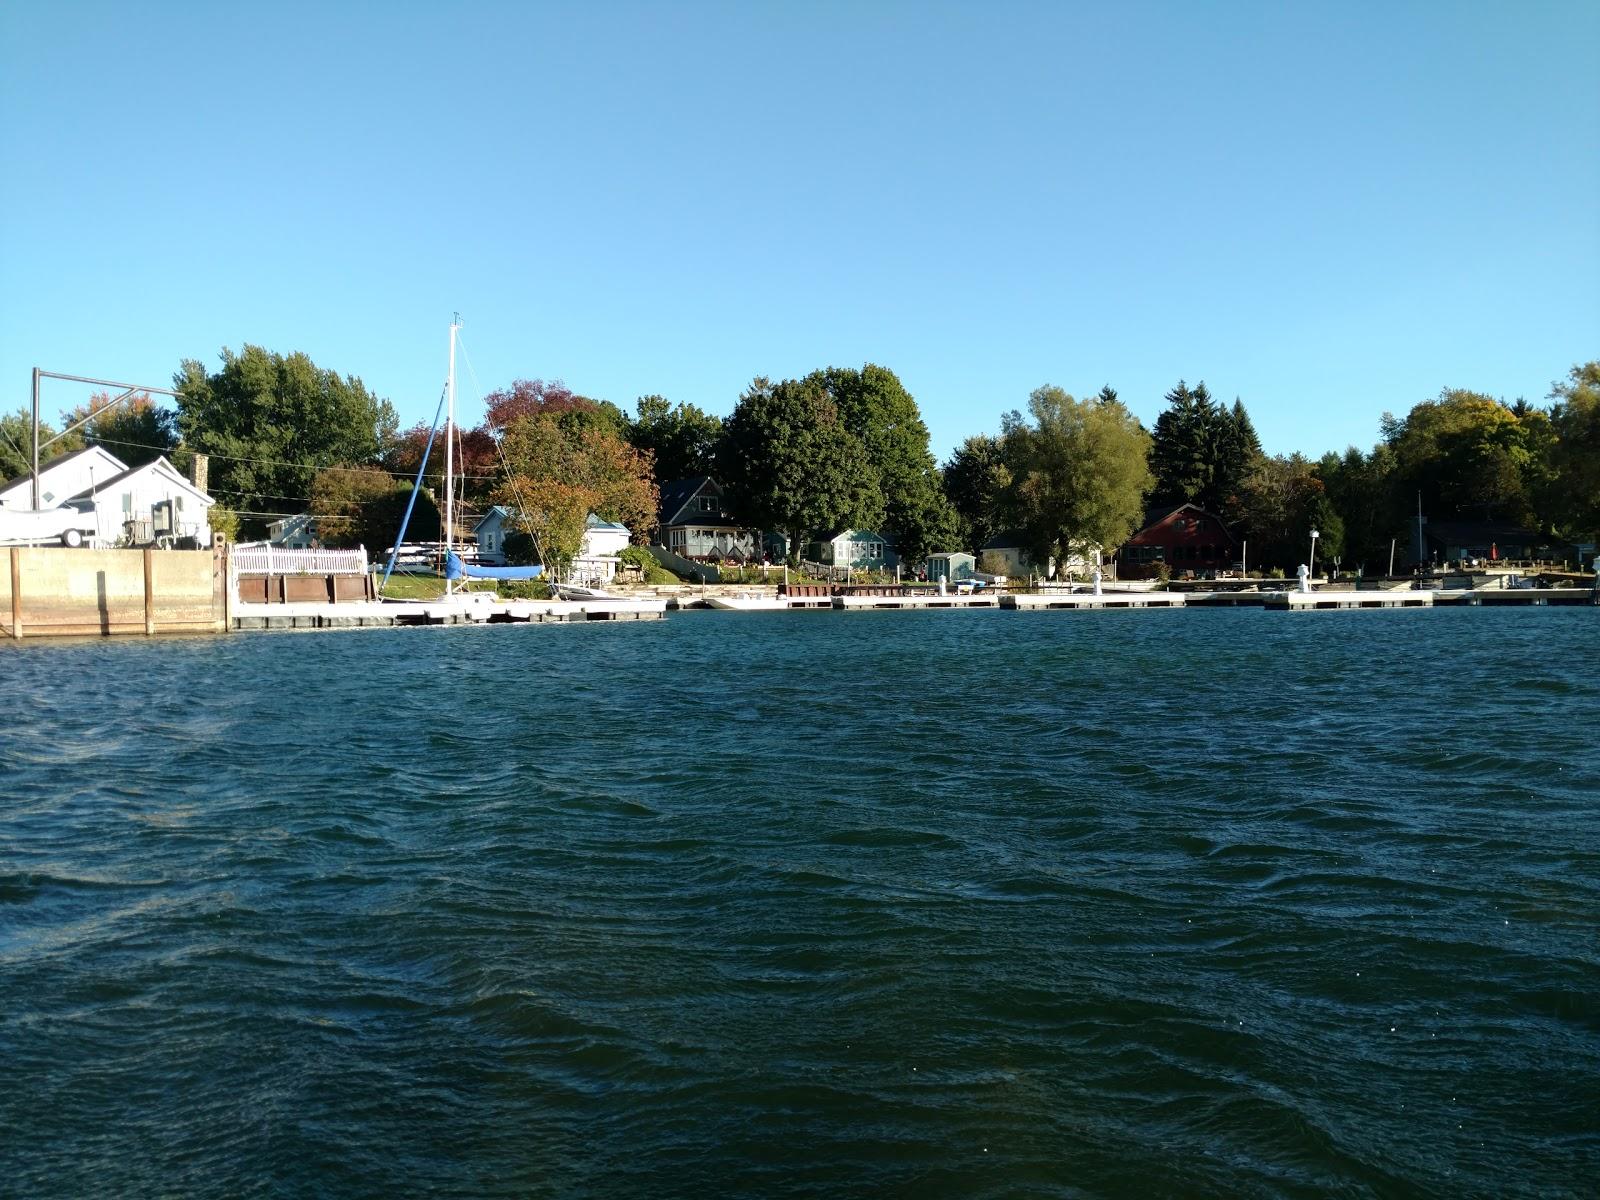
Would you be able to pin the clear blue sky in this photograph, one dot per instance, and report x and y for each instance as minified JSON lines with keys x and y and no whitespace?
{"x":1326,"y":210}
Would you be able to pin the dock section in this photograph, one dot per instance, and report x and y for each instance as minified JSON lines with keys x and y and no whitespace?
{"x":1036,"y":602}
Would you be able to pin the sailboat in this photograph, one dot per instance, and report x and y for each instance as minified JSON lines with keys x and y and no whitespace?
{"x":457,"y":569}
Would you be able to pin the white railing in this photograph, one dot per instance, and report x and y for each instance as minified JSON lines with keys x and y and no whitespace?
{"x":260,"y":558}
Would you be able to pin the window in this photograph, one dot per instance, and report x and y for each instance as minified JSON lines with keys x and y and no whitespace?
{"x":48,"y":497}
{"x":709,"y":504}
{"x":127,"y":503}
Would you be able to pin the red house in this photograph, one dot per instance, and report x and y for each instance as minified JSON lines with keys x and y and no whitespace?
{"x":1183,"y":536}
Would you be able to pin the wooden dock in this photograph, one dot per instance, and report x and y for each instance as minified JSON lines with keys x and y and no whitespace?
{"x":917,"y":600}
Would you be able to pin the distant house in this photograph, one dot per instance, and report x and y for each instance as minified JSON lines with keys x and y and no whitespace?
{"x":1453,"y":540}
{"x":694,"y":524}
{"x":1183,"y":536}
{"x":490,"y":534}
{"x":861,"y":549}
{"x":63,"y":477}
{"x":597,"y":558}
{"x":1007,"y":552}
{"x":298,"y":532}
{"x":144,"y":505}
{"x":951,"y":566}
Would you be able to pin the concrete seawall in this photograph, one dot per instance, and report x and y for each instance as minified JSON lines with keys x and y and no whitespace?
{"x":49,"y":591}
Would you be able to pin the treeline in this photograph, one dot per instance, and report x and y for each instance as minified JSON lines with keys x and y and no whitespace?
{"x":843,"y":447}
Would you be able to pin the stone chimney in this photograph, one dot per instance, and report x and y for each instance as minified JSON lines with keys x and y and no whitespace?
{"x":200,"y":472}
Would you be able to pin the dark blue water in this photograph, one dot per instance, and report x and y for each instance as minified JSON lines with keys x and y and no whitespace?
{"x":938,"y":904}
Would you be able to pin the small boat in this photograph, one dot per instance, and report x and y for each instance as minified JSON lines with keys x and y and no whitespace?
{"x":748,"y":603}
{"x":572,"y":591}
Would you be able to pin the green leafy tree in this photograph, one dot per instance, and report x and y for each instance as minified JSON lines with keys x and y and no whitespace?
{"x":1280,"y":503}
{"x":16,"y":444}
{"x":271,"y":421}
{"x":682,"y":440}
{"x":788,"y":463}
{"x":1574,"y":454}
{"x":1079,"y":474}
{"x":137,"y":430}
{"x":363,"y":506}
{"x":876,"y":407}
{"x":975,"y":481}
{"x":1468,"y":454}
{"x":1361,"y":488}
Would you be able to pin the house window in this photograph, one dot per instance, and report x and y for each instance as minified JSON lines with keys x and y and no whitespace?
{"x":48,"y":497}
{"x":127,"y":503}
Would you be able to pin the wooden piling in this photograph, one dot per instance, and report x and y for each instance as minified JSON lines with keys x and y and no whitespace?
{"x":149,"y":592}
{"x":16,"y":593}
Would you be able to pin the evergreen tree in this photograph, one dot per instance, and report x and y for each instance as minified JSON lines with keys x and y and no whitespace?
{"x":974,"y":480}
{"x":1187,"y":442}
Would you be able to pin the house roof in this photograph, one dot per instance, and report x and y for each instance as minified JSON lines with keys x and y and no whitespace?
{"x":949,"y":554}
{"x":1164,"y":512}
{"x":675,"y":498}
{"x":499,"y":511}
{"x":62,"y":460}
{"x":595,"y":522}
{"x":158,"y":466}
{"x":1005,"y":539}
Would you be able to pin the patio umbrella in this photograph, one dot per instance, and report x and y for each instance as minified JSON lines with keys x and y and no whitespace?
{"x":1494,"y":551}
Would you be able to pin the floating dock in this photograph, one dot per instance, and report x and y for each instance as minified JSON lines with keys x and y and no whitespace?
{"x":918,"y":600}
{"x":1032,"y":602}
{"x":1346,"y":601}
{"x":426,"y":612}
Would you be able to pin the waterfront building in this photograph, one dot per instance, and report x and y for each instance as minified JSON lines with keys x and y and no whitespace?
{"x":490,"y":534}
{"x":298,"y":532}
{"x":858,"y":549}
{"x":1183,"y":536}
{"x":694,"y":524}
{"x":1451,"y":541}
{"x":951,"y":565}
{"x":145,"y":505}
{"x":62,"y":477}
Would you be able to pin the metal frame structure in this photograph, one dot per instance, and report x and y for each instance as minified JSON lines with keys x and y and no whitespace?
{"x":130,"y":390}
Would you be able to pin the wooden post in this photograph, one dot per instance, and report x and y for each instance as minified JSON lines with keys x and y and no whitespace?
{"x":227,"y":586}
{"x":149,"y":592}
{"x":16,"y":593}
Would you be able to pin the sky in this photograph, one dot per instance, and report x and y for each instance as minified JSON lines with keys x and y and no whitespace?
{"x":1328,"y":211}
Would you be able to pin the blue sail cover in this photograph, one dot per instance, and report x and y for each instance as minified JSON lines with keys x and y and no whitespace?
{"x":454,"y":568}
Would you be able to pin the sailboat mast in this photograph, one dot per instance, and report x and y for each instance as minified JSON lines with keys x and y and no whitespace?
{"x":450,"y":455}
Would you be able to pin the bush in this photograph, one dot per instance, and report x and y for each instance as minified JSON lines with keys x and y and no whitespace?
{"x":1163,"y":574}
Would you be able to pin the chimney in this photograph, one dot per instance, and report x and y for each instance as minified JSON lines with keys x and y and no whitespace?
{"x":200,"y":472}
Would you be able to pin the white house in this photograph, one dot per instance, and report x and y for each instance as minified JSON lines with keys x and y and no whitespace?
{"x":861,"y":549}
{"x":298,"y":532}
{"x":63,"y":477}
{"x":597,"y":558}
{"x":145,"y":504}
{"x":1007,"y":552}
{"x":595,"y":562}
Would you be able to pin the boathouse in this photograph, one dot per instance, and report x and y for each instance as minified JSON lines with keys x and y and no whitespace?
{"x":1183,"y":536}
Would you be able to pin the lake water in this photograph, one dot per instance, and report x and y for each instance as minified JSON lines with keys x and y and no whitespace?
{"x":814,"y":904}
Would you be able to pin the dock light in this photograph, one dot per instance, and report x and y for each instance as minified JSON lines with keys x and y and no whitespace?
{"x":1313,"y":566}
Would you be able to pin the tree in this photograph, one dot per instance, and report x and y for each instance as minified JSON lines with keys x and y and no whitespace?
{"x":1202,"y":451}
{"x":876,"y":407}
{"x":1079,"y":474}
{"x":550,"y":514}
{"x":271,"y":421}
{"x":1278,"y":508}
{"x":788,"y":463}
{"x":16,"y":444}
{"x":975,"y":480}
{"x":682,"y":440}
{"x":1468,"y":454}
{"x":535,"y":397}
{"x":1575,"y":453}
{"x":588,"y":459}
{"x":363,"y":506}
{"x":1184,"y":450}
{"x":137,"y":430}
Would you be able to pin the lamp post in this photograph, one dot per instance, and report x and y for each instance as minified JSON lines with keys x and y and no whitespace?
{"x":1313,"y":565}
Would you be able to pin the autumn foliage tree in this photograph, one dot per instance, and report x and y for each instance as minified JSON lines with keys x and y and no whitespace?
{"x":363,"y":506}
